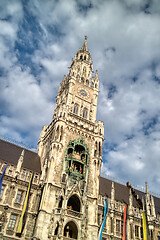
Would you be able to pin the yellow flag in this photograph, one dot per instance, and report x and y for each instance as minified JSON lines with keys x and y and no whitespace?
{"x":144,"y":226}
{"x":19,"y":230}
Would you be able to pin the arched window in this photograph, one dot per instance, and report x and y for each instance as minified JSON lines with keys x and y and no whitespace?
{"x":57,"y":132}
{"x":95,"y":151}
{"x":85,"y":57}
{"x":60,"y":202}
{"x":84,"y":71}
{"x":95,"y":85}
{"x":81,"y":57}
{"x":82,"y":80}
{"x":85,"y":113}
{"x":77,"y":77}
{"x":61,"y":136}
{"x":91,"y":84}
{"x":87,"y":82}
{"x":74,"y":203}
{"x":99,"y":149}
{"x":71,"y":231}
{"x":75,"y":110}
{"x":56,"y":230}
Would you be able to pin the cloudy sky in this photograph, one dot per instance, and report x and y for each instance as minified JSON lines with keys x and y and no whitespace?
{"x":38,"y":40}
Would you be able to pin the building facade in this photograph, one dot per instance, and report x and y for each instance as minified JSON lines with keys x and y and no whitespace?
{"x":67,"y":193}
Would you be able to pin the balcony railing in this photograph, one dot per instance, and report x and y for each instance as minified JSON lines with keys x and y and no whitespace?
{"x":69,"y":238}
{"x":64,"y":238}
{"x":73,"y":213}
{"x":69,"y":212}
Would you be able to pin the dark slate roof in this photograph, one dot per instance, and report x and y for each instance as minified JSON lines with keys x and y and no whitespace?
{"x":10,"y":153}
{"x":122,"y":193}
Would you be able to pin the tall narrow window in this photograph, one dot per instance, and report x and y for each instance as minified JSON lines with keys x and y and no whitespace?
{"x":136,"y":231}
{"x":2,"y":190}
{"x":75,"y":110}
{"x":12,"y":222}
{"x":95,"y":150}
{"x":61,"y":133}
{"x":99,"y":149}
{"x":85,"y":113}
{"x":19,"y":196}
{"x":57,"y":133}
{"x":118,"y":226}
{"x":141,"y":232}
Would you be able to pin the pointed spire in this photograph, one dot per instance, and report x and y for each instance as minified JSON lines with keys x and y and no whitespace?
{"x":153,"y":207}
{"x":84,"y":47}
{"x":112,"y":191}
{"x":20,"y":162}
{"x":96,"y":75}
{"x":147,"y":192}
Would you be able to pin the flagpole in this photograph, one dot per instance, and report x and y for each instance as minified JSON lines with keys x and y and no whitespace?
{"x":104,"y":220}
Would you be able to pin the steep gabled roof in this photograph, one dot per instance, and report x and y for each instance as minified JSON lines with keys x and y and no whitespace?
{"x":122,"y":193}
{"x":10,"y":153}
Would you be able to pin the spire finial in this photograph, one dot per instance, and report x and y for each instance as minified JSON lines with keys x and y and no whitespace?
{"x":84,"y":47}
{"x":20,"y":162}
{"x":146,"y":187}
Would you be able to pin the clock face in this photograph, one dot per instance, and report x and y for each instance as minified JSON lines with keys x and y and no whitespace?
{"x":83,"y":93}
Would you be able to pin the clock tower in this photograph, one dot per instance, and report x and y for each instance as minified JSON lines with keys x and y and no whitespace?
{"x":70,"y":149}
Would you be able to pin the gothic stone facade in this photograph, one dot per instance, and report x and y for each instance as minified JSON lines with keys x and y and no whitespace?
{"x":67,"y":193}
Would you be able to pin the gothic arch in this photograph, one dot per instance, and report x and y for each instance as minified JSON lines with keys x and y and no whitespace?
{"x":57,"y":132}
{"x":85,"y":113}
{"x":74,"y":203}
{"x":60,"y":202}
{"x":95,"y":150}
{"x":82,"y":79}
{"x":99,"y":149}
{"x":92,"y":84}
{"x":61,"y":133}
{"x":56,"y":229}
{"x":87,"y":82}
{"x":71,"y":230}
{"x":76,"y":108}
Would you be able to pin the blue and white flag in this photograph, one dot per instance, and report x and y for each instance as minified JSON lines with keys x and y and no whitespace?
{"x":1,"y":180}
{"x":104,"y":220}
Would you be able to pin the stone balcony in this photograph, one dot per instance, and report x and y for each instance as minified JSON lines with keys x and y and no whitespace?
{"x":69,"y":212}
{"x":62,"y":238}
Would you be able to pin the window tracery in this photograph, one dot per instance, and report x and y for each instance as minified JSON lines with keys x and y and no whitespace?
{"x":76,"y":107}
{"x":85,"y":113}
